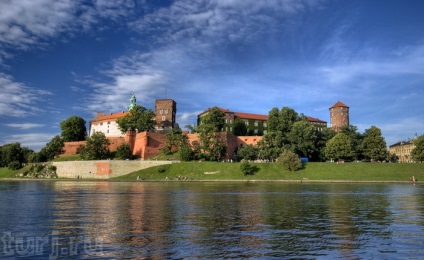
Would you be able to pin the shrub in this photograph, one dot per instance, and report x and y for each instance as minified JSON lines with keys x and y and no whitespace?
{"x":246,"y":168}
{"x":14,"y":165}
{"x":290,"y":161}
{"x":186,"y":154}
{"x":124,"y":151}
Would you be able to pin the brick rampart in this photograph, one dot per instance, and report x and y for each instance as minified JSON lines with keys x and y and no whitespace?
{"x":104,"y":169}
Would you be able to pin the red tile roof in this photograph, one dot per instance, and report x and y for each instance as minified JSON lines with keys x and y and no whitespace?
{"x":112,"y":116}
{"x":242,"y":115}
{"x":315,"y":120}
{"x":339,"y":104}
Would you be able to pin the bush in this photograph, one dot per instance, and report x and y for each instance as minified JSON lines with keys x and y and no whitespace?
{"x":290,"y":161}
{"x":186,"y":154}
{"x":162,"y":169}
{"x":14,"y":165}
{"x":246,"y":168}
{"x":124,"y":151}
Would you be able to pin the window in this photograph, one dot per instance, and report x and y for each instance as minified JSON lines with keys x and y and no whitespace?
{"x":255,"y":131}
{"x":246,"y":122}
{"x":166,"y":111}
{"x":161,"y":111}
{"x":256,"y":123}
{"x":264,"y":124}
{"x":163,"y":118}
{"x":265,"y":132}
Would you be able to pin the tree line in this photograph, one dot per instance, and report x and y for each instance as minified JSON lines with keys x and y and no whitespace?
{"x":287,"y":131}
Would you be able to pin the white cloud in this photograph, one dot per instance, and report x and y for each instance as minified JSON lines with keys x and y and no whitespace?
{"x":24,"y":125}
{"x":34,"y":141}
{"x":17,"y":99}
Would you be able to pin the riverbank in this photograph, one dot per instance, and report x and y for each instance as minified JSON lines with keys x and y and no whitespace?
{"x":217,"y":171}
{"x":312,"y":172}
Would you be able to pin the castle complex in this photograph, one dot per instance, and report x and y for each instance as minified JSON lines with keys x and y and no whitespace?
{"x":147,"y":144}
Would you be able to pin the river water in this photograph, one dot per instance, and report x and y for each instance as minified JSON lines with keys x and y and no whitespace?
{"x":201,"y":220}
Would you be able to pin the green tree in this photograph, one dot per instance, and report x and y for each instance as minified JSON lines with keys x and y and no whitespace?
{"x":174,"y":138}
{"x":323,"y":136}
{"x":418,"y":152}
{"x":356,"y":139}
{"x":239,"y":127}
{"x":290,"y":161}
{"x":52,"y":149}
{"x":97,"y":147}
{"x":124,"y":151}
{"x":303,"y":137}
{"x":339,"y":148}
{"x":139,"y":119}
{"x":287,"y":118}
{"x":214,"y":118}
{"x":248,"y":152}
{"x":73,"y":129}
{"x":374,"y":145}
{"x":271,"y":146}
{"x":273,"y":120}
{"x":186,"y":153}
{"x":211,"y":147}
{"x":246,"y":168}
{"x":11,"y":153}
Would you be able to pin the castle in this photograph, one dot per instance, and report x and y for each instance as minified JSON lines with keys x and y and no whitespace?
{"x":148,"y":144}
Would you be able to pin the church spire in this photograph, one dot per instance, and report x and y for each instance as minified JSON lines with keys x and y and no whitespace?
{"x":133,"y":102}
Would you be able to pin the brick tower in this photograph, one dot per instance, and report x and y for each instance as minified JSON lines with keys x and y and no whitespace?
{"x":339,"y":116}
{"x":166,"y":110}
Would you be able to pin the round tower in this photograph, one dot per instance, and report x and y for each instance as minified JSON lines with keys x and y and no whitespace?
{"x":339,"y":116}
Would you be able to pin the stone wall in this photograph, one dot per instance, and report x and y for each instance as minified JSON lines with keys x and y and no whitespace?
{"x":104,"y":169}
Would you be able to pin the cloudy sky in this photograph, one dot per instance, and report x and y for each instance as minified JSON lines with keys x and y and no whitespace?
{"x":60,"y":58}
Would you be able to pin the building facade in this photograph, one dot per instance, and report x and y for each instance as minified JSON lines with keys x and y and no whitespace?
{"x":339,"y":116}
{"x":403,"y":150}
{"x":166,"y":111}
{"x":256,"y":124}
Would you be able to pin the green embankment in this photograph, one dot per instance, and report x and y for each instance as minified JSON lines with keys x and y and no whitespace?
{"x":272,"y":171}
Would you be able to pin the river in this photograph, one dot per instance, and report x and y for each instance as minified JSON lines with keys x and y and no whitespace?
{"x":210,"y":220}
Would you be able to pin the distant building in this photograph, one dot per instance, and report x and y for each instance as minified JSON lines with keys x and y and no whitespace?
{"x":339,"y":116}
{"x":256,"y":123}
{"x":165,"y":111}
{"x":403,"y":150}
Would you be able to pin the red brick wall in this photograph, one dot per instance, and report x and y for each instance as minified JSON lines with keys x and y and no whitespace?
{"x":72,"y":148}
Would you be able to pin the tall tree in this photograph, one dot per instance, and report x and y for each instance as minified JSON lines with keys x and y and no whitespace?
{"x":271,"y":146}
{"x":374,"y":145}
{"x":73,"y":129}
{"x":339,"y":148}
{"x":52,"y":148}
{"x":215,"y":118}
{"x":288,"y":117}
{"x":273,"y":120}
{"x":211,"y":147}
{"x":139,"y":119}
{"x":11,"y":153}
{"x":356,"y":138}
{"x":303,"y":138}
{"x":418,"y":152}
{"x":97,"y":147}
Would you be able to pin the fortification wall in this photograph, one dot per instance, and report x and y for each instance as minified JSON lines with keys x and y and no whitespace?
{"x":104,"y":169}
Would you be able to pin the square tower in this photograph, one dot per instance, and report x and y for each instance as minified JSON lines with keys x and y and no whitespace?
{"x":166,"y":111}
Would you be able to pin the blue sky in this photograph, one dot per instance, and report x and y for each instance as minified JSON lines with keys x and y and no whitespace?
{"x":68,"y":57}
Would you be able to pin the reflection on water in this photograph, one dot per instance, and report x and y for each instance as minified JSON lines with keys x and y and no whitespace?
{"x":210,"y":220}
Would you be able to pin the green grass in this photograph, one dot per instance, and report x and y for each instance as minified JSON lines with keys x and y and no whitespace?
{"x":273,"y":171}
{"x":8,"y":173}
{"x":75,"y":157}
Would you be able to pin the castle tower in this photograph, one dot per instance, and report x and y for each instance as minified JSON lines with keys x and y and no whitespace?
{"x":165,"y":110}
{"x":133,"y":102}
{"x":339,"y":116}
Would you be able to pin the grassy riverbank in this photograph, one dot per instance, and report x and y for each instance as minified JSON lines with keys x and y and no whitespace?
{"x":272,"y":171}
